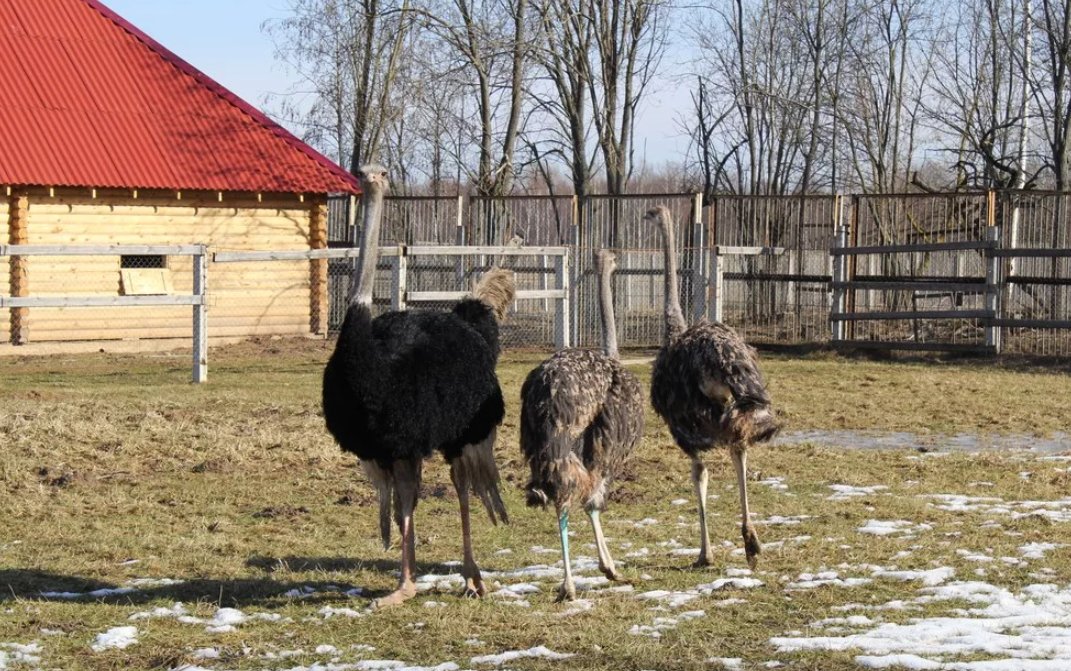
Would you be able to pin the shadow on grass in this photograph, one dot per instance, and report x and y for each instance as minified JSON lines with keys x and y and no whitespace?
{"x":267,"y":591}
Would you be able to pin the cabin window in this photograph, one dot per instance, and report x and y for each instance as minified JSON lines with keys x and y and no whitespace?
{"x":143,"y":261}
{"x":145,"y":275}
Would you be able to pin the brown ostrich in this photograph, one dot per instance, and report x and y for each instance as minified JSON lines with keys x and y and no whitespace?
{"x":581,"y":417}
{"x":707,"y":386}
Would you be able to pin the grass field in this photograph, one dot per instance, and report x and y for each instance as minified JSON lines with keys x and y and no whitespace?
{"x":219,"y":527}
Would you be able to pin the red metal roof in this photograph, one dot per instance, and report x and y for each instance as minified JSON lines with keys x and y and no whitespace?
{"x":92,"y":101}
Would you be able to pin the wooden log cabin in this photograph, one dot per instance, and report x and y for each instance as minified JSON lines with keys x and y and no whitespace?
{"x":114,"y":140}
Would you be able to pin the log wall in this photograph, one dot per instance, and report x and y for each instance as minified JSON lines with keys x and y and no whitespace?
{"x":246,"y":299}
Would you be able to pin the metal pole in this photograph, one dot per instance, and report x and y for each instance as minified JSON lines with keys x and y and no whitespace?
{"x":699,"y":270}
{"x":200,"y":316}
{"x":563,"y":330}
{"x":398,"y":280}
{"x":993,"y":291}
{"x":840,"y":275}
{"x":718,"y":289}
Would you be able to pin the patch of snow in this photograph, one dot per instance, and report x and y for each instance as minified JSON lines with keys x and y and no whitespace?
{"x":892,"y":527}
{"x":115,"y":638}
{"x":846,"y":492}
{"x":540,"y":651}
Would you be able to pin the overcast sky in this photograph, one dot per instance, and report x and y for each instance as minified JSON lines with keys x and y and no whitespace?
{"x":223,"y":39}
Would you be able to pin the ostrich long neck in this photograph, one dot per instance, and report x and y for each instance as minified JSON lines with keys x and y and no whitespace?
{"x":364,"y":275}
{"x":606,"y":312}
{"x":675,"y":324}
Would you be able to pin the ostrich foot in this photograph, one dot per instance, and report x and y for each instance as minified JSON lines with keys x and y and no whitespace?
{"x":567,"y":592}
{"x":405,"y":591}
{"x":705,"y":559}
{"x":752,"y":547}
{"x":474,"y":587}
{"x":612,"y":573}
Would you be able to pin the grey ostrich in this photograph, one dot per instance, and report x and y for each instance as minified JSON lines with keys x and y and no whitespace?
{"x":581,"y":416}
{"x":707,"y":386}
{"x":406,"y":384}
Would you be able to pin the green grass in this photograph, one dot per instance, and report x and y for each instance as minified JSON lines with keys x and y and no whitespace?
{"x":235,"y":488}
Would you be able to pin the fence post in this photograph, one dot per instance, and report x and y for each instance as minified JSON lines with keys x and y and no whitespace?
{"x":993,"y":291}
{"x":459,"y":240}
{"x":699,"y":270}
{"x":562,"y":280}
{"x":200,"y":316}
{"x":573,"y":264}
{"x":840,"y":276}
{"x":718,"y":286}
{"x":398,"y":279}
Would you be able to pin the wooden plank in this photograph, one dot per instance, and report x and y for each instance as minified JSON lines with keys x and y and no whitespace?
{"x":921,"y":247}
{"x":1033,"y":323}
{"x":177,"y":332}
{"x":1032,"y":253}
{"x":777,"y":277}
{"x":492,"y":251}
{"x":318,"y":298}
{"x":102,"y":250}
{"x":1047,"y":281}
{"x":18,"y":323}
{"x":95,"y":301}
{"x":531,"y":294}
{"x":959,"y":287}
{"x":921,"y":314}
{"x":723,"y":250}
{"x":303,"y":255}
{"x":914,"y":346}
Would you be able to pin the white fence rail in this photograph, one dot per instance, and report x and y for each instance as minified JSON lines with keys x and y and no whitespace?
{"x":400,"y":294}
{"x":197,"y":299}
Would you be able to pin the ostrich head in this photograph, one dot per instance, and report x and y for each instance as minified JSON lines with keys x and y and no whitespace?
{"x":605,"y":261}
{"x":659,"y":215}
{"x":374,"y":180}
{"x":674,"y":317}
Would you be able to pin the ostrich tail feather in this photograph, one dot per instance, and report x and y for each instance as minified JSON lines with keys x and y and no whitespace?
{"x":751,"y":423}
{"x":476,"y":469}
{"x":383,"y":481}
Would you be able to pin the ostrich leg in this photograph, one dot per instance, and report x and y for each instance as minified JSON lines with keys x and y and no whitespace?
{"x":407,"y":486}
{"x":474,"y":586}
{"x":567,"y":592}
{"x":700,"y":478}
{"x":606,"y":562}
{"x":752,"y":547}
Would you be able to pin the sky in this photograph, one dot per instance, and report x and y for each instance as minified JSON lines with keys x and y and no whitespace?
{"x":223,"y":39}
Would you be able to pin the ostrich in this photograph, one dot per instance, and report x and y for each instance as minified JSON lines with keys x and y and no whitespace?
{"x":581,"y":416}
{"x":405,"y":384}
{"x":707,"y":386}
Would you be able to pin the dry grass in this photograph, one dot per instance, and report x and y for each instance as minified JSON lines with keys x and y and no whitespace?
{"x":235,"y":489}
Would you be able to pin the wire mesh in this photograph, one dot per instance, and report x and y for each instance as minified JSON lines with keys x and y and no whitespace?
{"x":531,"y":322}
{"x":782,"y":297}
{"x":532,"y":221}
{"x":908,"y":219}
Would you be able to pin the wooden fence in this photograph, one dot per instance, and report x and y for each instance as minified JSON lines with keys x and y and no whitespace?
{"x":916,"y":270}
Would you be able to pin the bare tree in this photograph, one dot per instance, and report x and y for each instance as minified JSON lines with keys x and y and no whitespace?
{"x":347,"y":54}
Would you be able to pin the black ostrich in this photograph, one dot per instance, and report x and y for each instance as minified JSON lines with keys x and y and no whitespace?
{"x":406,"y":384}
{"x":581,"y":417}
{"x":707,"y":386}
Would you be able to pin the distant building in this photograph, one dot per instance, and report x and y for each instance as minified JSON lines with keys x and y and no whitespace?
{"x":109,"y":138}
